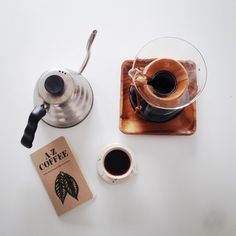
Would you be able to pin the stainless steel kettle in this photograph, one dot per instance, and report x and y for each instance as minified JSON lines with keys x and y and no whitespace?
{"x":62,"y":98}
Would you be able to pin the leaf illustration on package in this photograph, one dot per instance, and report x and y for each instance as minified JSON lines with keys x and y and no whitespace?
{"x":71,"y":186}
{"x":60,"y":187}
{"x":64,"y":184}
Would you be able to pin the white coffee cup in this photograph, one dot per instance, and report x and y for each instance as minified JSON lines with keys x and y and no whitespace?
{"x":116,"y":164}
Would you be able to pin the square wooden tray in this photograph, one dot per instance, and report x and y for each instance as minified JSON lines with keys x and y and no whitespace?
{"x":130,"y":123}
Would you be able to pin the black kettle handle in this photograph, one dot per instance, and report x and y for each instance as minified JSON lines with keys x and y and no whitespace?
{"x":34,"y":118}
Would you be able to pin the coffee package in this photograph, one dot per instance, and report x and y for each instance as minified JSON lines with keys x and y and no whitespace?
{"x":61,"y":176}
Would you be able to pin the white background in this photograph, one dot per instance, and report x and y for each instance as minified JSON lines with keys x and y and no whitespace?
{"x":186,"y":186}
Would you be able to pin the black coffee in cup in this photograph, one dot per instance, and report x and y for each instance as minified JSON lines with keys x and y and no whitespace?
{"x":117,"y":162}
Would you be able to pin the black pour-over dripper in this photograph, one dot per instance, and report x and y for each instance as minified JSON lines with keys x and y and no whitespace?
{"x":149,"y":112}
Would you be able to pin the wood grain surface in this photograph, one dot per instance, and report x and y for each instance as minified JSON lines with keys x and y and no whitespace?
{"x":130,"y":123}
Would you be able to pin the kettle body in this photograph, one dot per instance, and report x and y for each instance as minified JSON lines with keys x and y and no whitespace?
{"x":68,"y":107}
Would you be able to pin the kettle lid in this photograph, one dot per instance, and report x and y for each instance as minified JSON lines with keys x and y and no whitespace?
{"x":55,"y":86}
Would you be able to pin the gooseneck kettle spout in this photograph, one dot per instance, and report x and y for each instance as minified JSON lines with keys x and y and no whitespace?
{"x":89,"y":44}
{"x":62,"y":98}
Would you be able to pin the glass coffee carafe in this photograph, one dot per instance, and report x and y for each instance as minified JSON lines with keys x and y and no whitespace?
{"x":167,"y":75}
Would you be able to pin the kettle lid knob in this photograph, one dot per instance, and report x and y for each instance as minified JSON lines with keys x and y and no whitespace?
{"x":54,"y":85}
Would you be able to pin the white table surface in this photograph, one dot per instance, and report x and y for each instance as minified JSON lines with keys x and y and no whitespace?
{"x":186,"y":186}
